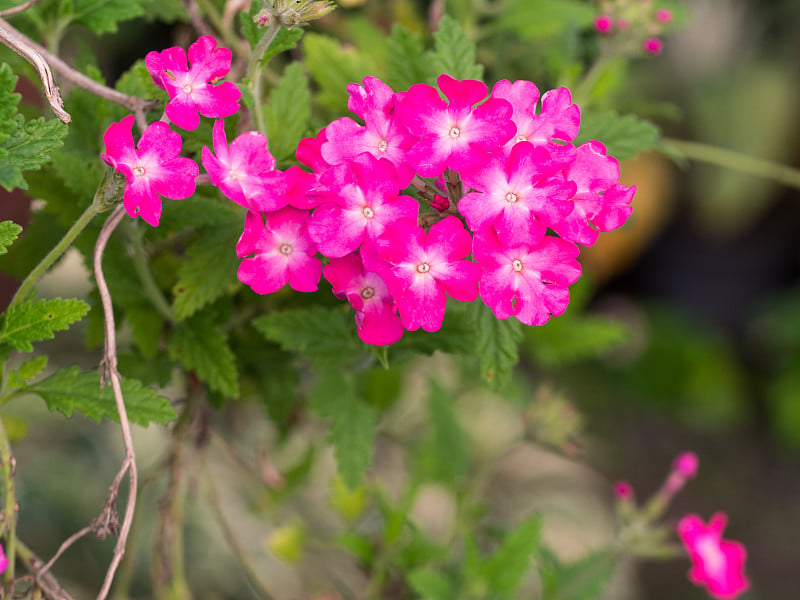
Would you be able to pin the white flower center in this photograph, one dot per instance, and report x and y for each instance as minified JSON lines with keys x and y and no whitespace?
{"x":368,"y":292}
{"x":286,"y":249}
{"x":382,"y":146}
{"x":511,"y":197}
{"x":423,"y":268}
{"x":138,"y":171}
{"x":521,"y":138}
{"x":187,"y":88}
{"x":454,"y":132}
{"x":368,"y":212}
{"x":517,"y":265}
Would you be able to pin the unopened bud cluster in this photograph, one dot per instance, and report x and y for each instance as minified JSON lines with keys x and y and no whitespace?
{"x":291,"y":13}
{"x":633,"y":25}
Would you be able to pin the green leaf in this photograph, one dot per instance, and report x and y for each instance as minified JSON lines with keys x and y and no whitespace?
{"x":573,"y":338}
{"x":209,"y":270}
{"x":585,"y":579}
{"x":333,"y":67}
{"x":102,"y":16}
{"x":352,"y":423}
{"x":321,"y":333}
{"x":430,"y":585}
{"x":454,"y":53}
{"x":623,"y":137}
{"x":8,"y":234}
{"x":68,"y":390}
{"x":146,"y":326}
{"x":407,"y":61}
{"x":8,"y":103}
{"x":508,"y":565}
{"x":31,"y":368}
{"x":445,"y":456}
{"x":287,"y":39}
{"x":34,"y":321}
{"x":137,"y":81}
{"x":543,"y":19}
{"x":288,"y":112}
{"x":200,"y":345}
{"x":164,"y":10}
{"x":496,"y":344}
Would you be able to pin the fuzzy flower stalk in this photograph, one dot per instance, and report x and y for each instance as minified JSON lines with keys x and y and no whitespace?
{"x":291,"y":13}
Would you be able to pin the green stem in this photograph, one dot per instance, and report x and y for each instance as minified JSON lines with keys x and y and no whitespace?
{"x":77,"y":227}
{"x":9,"y":524}
{"x":255,"y":72}
{"x":581,"y":93}
{"x":737,"y":161}
{"x":151,"y":289}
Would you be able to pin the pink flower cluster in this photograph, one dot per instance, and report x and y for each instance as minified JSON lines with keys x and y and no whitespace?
{"x":638,"y":22}
{"x":495,"y":164}
{"x":494,"y":173}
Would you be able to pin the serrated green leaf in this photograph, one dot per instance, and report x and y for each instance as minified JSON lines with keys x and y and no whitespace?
{"x":103,"y":16}
{"x":200,"y":345}
{"x":445,"y":456}
{"x":623,"y":136}
{"x":288,"y":112}
{"x":430,"y":585}
{"x":287,"y":39}
{"x":454,"y":53}
{"x":321,"y":333}
{"x":200,"y":211}
{"x":352,"y":424}
{"x":138,"y":82}
{"x":68,"y":390}
{"x":165,"y":10}
{"x":8,"y":103}
{"x":407,"y":63}
{"x":8,"y":234}
{"x":570,"y":338}
{"x":508,"y":565}
{"x":34,"y":321}
{"x":333,"y":67}
{"x":543,"y":19}
{"x":497,"y":342}
{"x":28,"y":148}
{"x":31,"y":368}
{"x":584,"y":579}
{"x":146,"y":326}
{"x":209,"y":270}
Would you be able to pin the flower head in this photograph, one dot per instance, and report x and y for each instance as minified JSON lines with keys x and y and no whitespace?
{"x":194,"y":90}
{"x":717,"y":564}
{"x":151,"y":169}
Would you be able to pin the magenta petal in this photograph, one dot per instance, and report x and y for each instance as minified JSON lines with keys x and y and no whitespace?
{"x":216,"y":101}
{"x":462,"y":94}
{"x":209,"y":62}
{"x":265,"y":274}
{"x":118,"y":140}
{"x":422,"y":305}
{"x":336,"y":231}
{"x":183,"y":112}
{"x":140,"y":200}
{"x":304,"y":273}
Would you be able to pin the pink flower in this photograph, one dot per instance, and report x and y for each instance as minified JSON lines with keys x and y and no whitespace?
{"x":717,"y":564}
{"x":653,"y":45}
{"x":309,"y":152}
{"x":520,"y":195}
{"x":623,"y":490}
{"x":603,"y":24}
{"x":363,"y":202}
{"x":278,"y":251}
{"x":422,"y":270}
{"x":194,"y":90}
{"x":151,"y":169}
{"x":453,"y":136}
{"x":686,"y":464}
{"x":529,"y":282}
{"x":3,"y":560}
{"x":664,"y":15}
{"x":600,"y":201}
{"x":376,"y":313}
{"x":245,"y":170}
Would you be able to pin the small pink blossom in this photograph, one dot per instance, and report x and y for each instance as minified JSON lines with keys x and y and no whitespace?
{"x":423,"y":269}
{"x":453,"y":135}
{"x":278,"y":250}
{"x":664,"y":15}
{"x":194,"y":89}
{"x":245,"y":170}
{"x":376,"y":313}
{"x":717,"y":564}
{"x":623,"y":490}
{"x":3,"y":560}
{"x":603,"y":24}
{"x":686,"y":464}
{"x":653,"y":46}
{"x":152,"y":169}
{"x":529,"y":282}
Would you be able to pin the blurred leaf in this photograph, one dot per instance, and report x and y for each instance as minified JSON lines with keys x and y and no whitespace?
{"x":200,"y":345}
{"x":137,"y":81}
{"x":146,"y":326}
{"x":573,"y":338}
{"x":454,"y":53}
{"x":585,"y":579}
{"x":8,"y":234}
{"x":623,"y":137}
{"x":543,"y":19}
{"x":103,"y":16}
{"x":407,"y":61}
{"x":352,"y":423}
{"x":431,"y":585}
{"x":68,"y":390}
{"x":505,"y":569}
{"x":496,"y":345}
{"x":288,"y":112}
{"x":34,"y":321}
{"x":445,"y":455}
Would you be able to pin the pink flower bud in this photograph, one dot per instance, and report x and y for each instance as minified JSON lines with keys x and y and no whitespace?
{"x":603,"y":24}
{"x":653,"y":46}
{"x":622,"y":24}
{"x":623,"y":490}
{"x":686,"y":464}
{"x":664,"y":15}
{"x":440,"y":203}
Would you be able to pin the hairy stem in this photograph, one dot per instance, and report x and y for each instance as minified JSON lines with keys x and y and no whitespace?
{"x":737,"y":161}
{"x":150,"y":287}
{"x":109,"y":366}
{"x":255,"y":73}
{"x":9,"y":523}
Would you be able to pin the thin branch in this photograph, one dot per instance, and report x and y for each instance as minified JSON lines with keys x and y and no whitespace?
{"x":46,"y":581}
{"x":18,"y":9}
{"x":27,"y":50}
{"x":43,"y":61}
{"x":109,"y":368}
{"x":63,"y":548}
